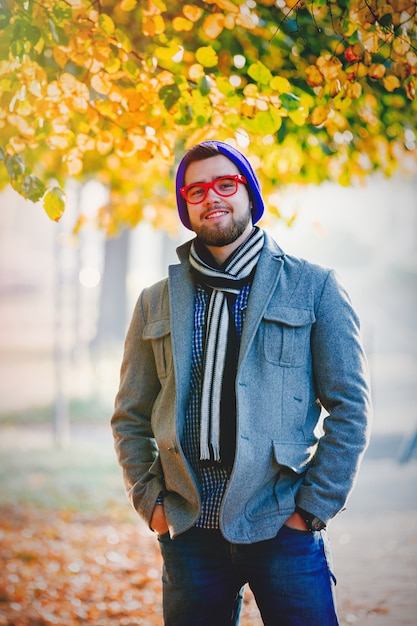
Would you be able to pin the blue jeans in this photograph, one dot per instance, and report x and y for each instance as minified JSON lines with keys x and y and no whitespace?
{"x":289,"y":575}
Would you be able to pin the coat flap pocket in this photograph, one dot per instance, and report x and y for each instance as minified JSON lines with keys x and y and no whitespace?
{"x":156,"y":329}
{"x":296,"y":456}
{"x":290,"y":316}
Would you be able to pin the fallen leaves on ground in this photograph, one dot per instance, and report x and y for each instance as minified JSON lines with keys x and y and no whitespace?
{"x":68,"y":568}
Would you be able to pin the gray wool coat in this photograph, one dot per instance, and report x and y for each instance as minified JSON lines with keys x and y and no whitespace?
{"x":300,"y":353}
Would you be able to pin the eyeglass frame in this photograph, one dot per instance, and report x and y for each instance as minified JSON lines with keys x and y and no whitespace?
{"x":238,"y":178}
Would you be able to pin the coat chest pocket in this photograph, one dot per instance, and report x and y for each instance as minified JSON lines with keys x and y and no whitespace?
{"x":287,"y":335}
{"x":159,"y":333}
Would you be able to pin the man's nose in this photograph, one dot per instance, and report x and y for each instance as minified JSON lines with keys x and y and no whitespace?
{"x":211,"y":196}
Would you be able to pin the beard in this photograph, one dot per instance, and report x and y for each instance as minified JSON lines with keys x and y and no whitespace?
{"x":218,"y":236}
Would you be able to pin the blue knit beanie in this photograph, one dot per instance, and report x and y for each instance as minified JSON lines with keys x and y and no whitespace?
{"x":253,"y":186}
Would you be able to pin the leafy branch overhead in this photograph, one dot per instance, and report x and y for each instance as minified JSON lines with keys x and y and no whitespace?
{"x":310,"y":90}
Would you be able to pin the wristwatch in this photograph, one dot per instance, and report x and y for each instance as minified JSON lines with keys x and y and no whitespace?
{"x":312,"y":522}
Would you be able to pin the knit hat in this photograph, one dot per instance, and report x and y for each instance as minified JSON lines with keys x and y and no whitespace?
{"x":254,"y":188}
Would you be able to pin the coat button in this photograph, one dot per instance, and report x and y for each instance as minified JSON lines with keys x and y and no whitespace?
{"x":174,"y":449}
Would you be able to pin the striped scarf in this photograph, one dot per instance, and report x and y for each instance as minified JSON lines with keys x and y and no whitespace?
{"x":222,"y":282}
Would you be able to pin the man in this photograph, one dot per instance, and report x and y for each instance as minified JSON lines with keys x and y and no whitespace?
{"x":227,"y":366}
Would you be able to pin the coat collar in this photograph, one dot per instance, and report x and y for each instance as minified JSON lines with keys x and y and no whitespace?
{"x":267,"y":275}
{"x":182,"y":294}
{"x":271,"y":248}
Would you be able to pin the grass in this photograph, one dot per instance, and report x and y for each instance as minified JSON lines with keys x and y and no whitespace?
{"x":82,"y":475}
{"x":80,"y":410}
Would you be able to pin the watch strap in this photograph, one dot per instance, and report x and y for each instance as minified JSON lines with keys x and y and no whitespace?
{"x":312,"y":522}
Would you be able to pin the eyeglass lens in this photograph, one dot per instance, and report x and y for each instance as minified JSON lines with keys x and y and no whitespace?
{"x":223,"y":187}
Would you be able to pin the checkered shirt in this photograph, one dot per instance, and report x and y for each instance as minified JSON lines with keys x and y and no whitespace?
{"x":213,"y":480}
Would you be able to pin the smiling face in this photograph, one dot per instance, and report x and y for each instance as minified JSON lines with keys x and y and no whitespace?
{"x":221,"y":223}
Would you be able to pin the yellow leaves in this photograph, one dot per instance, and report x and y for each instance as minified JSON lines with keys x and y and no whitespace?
{"x":24,"y":108}
{"x":74,"y":162}
{"x":354,"y":90}
{"x":335,"y":87}
{"x":244,"y":20}
{"x":329,"y":66}
{"x":182,"y":24}
{"x":226,"y":5}
{"x":22,"y":125}
{"x":133,"y":100}
{"x":357,"y":71}
{"x":410,"y":89}
{"x":314,"y":76}
{"x":112,"y":65}
{"x":100,"y":53}
{"x":280,"y":84}
{"x":401,"y":44}
{"x":85,"y":142}
{"x":299,"y":116}
{"x":59,"y":141}
{"x":102,"y":83}
{"x":60,"y":56}
{"x":79,"y":102}
{"x":371,"y":41}
{"x":206,"y":56}
{"x":106,"y":24}
{"x":101,"y":91}
{"x":153,"y":25}
{"x":293,"y":4}
{"x":128,"y":5}
{"x":123,"y":40}
{"x":18,"y":144}
{"x":319,"y":115}
{"x":213,"y":25}
{"x":329,"y":77}
{"x":391,"y":83}
{"x":283,"y":160}
{"x":54,"y":203}
{"x":104,"y":142}
{"x":125,"y":147}
{"x":376,"y":71}
{"x":69,"y":86}
{"x":138,"y":139}
{"x":196,"y":72}
{"x":7,"y":67}
{"x":247,"y":109}
{"x":155,"y":7}
{"x":232,"y":16}
{"x":191,"y":15}
{"x":260,"y":73}
{"x":61,"y":136}
{"x":169,"y":54}
{"x":250,"y":90}
{"x":192,"y":12}
{"x":35,"y":88}
{"x":74,"y":91}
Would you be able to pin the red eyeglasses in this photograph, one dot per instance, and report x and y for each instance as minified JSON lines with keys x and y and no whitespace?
{"x":224,"y":186}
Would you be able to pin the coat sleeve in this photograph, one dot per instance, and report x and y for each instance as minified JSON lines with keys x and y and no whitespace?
{"x":342,"y":383}
{"x":135,"y":444}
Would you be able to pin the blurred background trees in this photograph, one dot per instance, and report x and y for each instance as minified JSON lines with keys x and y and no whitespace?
{"x":311,"y":90}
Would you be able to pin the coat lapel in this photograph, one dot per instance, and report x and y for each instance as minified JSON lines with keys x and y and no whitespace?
{"x":181,"y":297}
{"x":266,"y":278}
